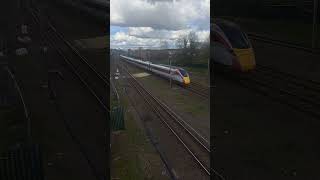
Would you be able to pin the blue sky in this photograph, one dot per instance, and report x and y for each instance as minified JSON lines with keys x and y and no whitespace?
{"x":137,"y":23}
{"x":115,"y":29}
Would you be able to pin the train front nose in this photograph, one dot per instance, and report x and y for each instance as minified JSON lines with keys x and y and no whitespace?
{"x":246,"y":59}
{"x":186,"y":80}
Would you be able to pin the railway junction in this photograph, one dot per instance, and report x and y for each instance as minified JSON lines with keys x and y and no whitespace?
{"x":169,"y":117}
{"x":265,"y":123}
{"x":61,"y":98}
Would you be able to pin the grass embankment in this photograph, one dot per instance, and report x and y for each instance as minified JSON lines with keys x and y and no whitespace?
{"x":132,"y":156}
{"x":193,"y":105}
{"x":185,"y":103}
{"x":192,"y":108}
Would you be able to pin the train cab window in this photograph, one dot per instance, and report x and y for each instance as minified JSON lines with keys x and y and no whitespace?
{"x":183,"y":72}
{"x":236,"y":37}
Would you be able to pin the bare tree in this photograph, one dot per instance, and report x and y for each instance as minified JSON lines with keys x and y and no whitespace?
{"x":179,"y":42}
{"x":193,"y":42}
{"x":193,"y":39}
{"x":182,"y":42}
{"x":205,"y":46}
{"x":206,"y":42}
{"x":185,"y":42}
{"x":164,"y":44}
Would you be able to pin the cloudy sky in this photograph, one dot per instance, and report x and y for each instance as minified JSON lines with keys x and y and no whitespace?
{"x":145,"y":23}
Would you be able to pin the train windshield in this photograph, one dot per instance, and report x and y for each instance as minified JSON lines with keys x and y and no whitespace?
{"x":183,"y":72}
{"x":236,"y":37}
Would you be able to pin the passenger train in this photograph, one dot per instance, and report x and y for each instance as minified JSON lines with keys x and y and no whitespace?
{"x":178,"y":75}
{"x":231,"y":46}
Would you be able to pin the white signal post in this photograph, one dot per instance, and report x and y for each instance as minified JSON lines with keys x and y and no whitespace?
{"x":169,"y":57}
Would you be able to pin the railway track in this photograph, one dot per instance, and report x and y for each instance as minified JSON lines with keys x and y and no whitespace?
{"x":94,"y":81}
{"x":197,"y":146}
{"x":296,"y":92}
{"x":112,"y":82}
{"x":199,"y":89}
{"x":270,"y":40}
{"x":22,"y":101}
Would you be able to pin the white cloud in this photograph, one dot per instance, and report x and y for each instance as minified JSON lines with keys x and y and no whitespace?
{"x":123,"y":40}
{"x":202,"y":35}
{"x":148,"y":32}
{"x":151,"y":39}
{"x":165,"y":14}
{"x":150,"y":21}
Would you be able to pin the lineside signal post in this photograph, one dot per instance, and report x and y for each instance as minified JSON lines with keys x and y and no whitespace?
{"x":169,"y":58}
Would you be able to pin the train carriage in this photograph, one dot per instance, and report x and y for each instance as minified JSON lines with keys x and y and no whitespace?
{"x":177,"y":74}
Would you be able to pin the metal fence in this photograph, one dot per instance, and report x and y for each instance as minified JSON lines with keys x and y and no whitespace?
{"x":117,"y":118}
{"x":22,"y":163}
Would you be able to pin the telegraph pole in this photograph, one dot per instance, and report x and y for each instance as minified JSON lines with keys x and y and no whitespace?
{"x":315,"y":23}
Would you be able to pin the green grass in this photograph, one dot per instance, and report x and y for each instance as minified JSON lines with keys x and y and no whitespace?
{"x":194,"y":109}
{"x":124,"y":152}
{"x":125,"y":163}
{"x":190,"y":104}
{"x":197,"y":71}
{"x":131,"y":152}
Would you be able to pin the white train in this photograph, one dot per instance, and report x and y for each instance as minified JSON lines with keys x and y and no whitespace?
{"x":231,"y":46}
{"x":177,"y":74}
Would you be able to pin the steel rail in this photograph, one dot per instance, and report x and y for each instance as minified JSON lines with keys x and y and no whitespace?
{"x":269,"y":40}
{"x":184,"y":122}
{"x":81,"y":148}
{"x":199,"y":89}
{"x":162,"y":156}
{"x":25,"y":108}
{"x":272,"y":76}
{"x":67,"y":60}
{"x":290,"y":97}
{"x":75,"y":51}
{"x":76,"y":141}
{"x":138,"y":86}
{"x":211,"y":169}
{"x":49,"y":39}
{"x":291,"y":77}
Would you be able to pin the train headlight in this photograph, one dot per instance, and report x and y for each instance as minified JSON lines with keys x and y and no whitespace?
{"x":186,"y":80}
